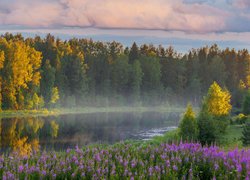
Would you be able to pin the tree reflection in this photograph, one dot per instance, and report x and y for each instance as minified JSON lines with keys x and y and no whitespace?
{"x":22,"y":135}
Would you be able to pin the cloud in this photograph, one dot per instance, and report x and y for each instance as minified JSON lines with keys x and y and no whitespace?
{"x":192,"y":16}
{"x":130,"y":14}
{"x":241,"y":4}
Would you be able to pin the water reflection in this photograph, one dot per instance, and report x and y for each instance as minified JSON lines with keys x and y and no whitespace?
{"x":34,"y":133}
{"x":22,"y":135}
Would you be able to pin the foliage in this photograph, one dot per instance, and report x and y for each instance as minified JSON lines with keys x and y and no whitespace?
{"x":54,"y":96}
{"x":165,"y":161}
{"x":188,"y":125}
{"x":217,"y":101}
{"x":246,"y":134}
{"x":240,"y":119}
{"x":208,"y":131}
{"x":102,"y":74}
{"x":246,"y":103}
{"x":20,"y":73}
{"x":213,"y":119}
{"x":232,"y":137}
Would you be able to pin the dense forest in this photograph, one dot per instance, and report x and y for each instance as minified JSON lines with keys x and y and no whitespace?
{"x":49,"y":72}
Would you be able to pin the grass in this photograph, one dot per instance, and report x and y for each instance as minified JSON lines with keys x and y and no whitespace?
{"x":228,"y":141}
{"x":232,"y":137}
{"x":168,"y":137}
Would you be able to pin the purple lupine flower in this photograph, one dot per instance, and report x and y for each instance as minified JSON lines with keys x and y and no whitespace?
{"x":175,"y":168}
{"x":97,"y":157}
{"x":150,"y":170}
{"x":157,"y":169}
{"x":20,"y":169}
{"x":239,"y":167}
{"x":68,"y":151}
{"x":216,"y":166}
{"x":43,"y":172}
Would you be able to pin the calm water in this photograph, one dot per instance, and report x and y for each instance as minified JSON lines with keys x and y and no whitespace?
{"x":66,"y":131}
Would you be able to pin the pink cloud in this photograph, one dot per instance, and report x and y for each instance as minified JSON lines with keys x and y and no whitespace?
{"x":129,"y":14}
{"x":242,"y":4}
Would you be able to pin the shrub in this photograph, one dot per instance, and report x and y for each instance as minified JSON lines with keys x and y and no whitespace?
{"x":207,"y":128}
{"x":188,"y":126}
{"x":246,"y":103}
{"x":240,"y":119}
{"x":246,"y":135}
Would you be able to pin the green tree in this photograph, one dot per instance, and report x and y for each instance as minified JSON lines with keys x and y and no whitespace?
{"x":151,"y":80}
{"x":188,"y":125}
{"x":133,"y":54}
{"x":246,"y":103}
{"x":217,"y":71}
{"x":246,"y":135}
{"x":208,"y":131}
{"x":47,"y":81}
{"x":135,"y":82}
{"x":75,"y":81}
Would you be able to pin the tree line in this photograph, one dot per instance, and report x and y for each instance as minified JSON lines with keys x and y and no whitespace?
{"x":49,"y":72}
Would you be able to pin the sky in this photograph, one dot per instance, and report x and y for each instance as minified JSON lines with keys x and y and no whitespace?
{"x":184,"y":24}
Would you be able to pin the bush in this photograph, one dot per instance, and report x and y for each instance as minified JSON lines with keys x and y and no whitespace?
{"x":240,"y":119}
{"x":246,"y":135}
{"x":208,"y":131}
{"x":188,"y":126}
{"x":246,"y":103}
{"x":221,"y":123}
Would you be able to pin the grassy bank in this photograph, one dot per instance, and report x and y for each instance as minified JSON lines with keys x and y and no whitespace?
{"x":84,"y":110}
{"x":230,"y":140}
{"x":232,"y":137}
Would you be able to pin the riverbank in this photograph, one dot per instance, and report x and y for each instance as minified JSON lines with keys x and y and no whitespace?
{"x":85,"y":110}
{"x":230,"y":140}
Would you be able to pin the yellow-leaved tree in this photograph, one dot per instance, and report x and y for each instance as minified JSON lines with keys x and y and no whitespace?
{"x":217,"y":101}
{"x":20,"y":74}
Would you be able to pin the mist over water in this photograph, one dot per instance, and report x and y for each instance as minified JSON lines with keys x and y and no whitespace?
{"x":67,"y":131}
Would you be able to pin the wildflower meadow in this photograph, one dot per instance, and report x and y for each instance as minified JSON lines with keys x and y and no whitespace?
{"x":124,"y":161}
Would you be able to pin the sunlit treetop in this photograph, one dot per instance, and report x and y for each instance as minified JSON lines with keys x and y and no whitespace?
{"x":217,"y":101}
{"x":189,"y":112}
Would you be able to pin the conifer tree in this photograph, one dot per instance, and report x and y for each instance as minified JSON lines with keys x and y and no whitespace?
{"x":188,"y":126}
{"x":134,"y":53}
{"x":246,"y":135}
{"x":246,"y":103}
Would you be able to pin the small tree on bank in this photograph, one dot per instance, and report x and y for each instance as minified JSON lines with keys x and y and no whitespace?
{"x":246,"y":103}
{"x":246,"y":135}
{"x":208,"y":131}
{"x":188,"y":126}
{"x":213,"y":118}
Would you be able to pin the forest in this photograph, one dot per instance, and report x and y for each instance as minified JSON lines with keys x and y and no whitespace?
{"x":49,"y":72}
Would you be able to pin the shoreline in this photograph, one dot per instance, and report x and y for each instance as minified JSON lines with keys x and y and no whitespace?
{"x":84,"y":110}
